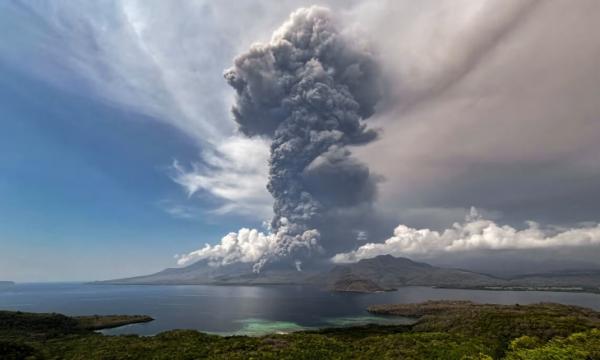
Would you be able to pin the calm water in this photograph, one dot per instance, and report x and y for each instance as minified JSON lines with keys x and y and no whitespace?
{"x":245,"y":309}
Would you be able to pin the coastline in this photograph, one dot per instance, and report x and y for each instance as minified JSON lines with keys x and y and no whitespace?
{"x":462,"y":329}
{"x":565,"y":289}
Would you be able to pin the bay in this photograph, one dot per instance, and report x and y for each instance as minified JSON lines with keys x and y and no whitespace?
{"x":246,"y":310}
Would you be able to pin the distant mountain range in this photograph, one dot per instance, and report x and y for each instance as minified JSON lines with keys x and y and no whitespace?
{"x":6,"y":283}
{"x":380,"y":273}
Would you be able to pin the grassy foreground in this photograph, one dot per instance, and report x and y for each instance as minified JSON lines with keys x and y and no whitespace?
{"x":445,"y":330}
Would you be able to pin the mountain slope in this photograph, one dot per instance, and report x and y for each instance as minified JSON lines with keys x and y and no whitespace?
{"x":202,"y":272}
{"x":380,"y":273}
{"x":391,"y":272}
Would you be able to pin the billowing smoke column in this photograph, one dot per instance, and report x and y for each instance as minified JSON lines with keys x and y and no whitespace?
{"x":309,"y":90}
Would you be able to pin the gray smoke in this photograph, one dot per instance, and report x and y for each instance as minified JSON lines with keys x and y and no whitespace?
{"x":309,"y":90}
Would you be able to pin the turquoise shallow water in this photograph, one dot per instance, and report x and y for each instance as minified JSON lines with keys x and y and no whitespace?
{"x":246,"y":310}
{"x":258,"y":327}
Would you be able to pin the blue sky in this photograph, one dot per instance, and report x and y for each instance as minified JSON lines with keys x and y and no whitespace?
{"x":87,"y":184}
{"x":84,"y":182}
{"x":118,"y":151}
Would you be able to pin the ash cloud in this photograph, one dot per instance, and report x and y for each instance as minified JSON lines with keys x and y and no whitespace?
{"x":505,"y":115}
{"x":309,"y":90}
{"x":492,"y":105}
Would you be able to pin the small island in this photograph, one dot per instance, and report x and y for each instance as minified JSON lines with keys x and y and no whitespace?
{"x":7,"y":283}
{"x":358,"y":286}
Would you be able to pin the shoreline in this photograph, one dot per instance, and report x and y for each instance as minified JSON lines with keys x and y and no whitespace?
{"x":562,"y":289}
{"x":463,"y":328}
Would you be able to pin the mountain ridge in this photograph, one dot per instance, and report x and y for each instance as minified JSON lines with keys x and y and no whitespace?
{"x":380,"y":273}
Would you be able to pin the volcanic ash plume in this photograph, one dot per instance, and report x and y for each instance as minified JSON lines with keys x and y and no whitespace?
{"x":308,"y":90}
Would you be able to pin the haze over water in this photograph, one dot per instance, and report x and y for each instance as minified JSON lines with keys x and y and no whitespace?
{"x":251,"y":310}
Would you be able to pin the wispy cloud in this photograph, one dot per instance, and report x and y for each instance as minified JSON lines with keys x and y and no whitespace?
{"x":123,"y":52}
{"x":130,"y":54}
{"x":235,"y":172}
{"x":180,"y":210}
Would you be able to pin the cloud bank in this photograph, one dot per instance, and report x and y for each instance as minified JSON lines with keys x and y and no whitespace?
{"x":252,"y":246}
{"x":476,"y":233}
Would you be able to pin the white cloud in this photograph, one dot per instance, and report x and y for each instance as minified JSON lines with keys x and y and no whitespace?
{"x":246,"y":245}
{"x":475,"y":233}
{"x":235,"y":172}
{"x":252,"y":246}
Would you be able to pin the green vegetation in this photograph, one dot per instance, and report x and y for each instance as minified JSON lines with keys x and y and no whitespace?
{"x":445,"y":330}
{"x":19,"y":325}
{"x":99,"y":322}
{"x":45,"y":326}
{"x":578,"y":346}
{"x":496,"y":325}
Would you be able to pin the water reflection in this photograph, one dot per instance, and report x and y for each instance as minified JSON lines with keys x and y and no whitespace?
{"x":245,"y":309}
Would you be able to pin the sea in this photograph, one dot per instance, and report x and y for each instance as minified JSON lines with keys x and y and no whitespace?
{"x":246,"y":310}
